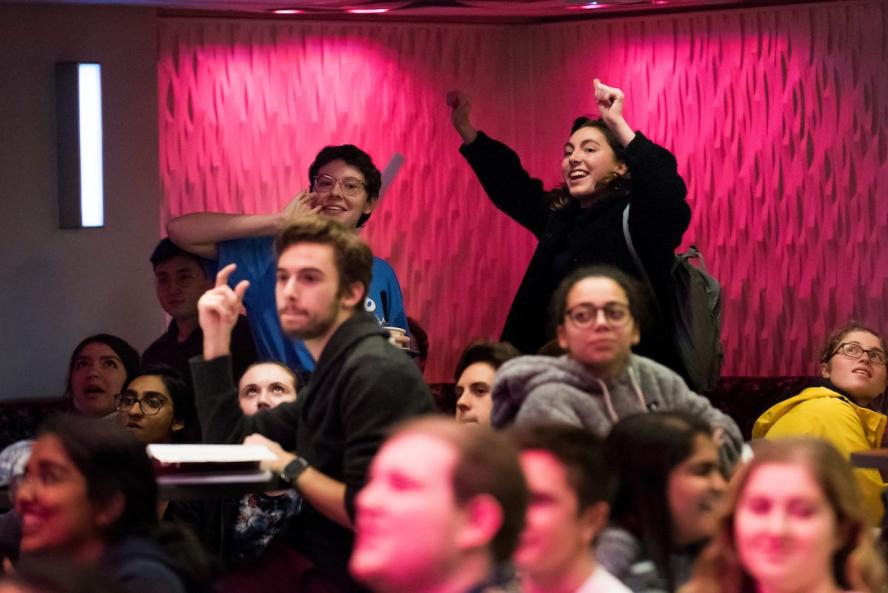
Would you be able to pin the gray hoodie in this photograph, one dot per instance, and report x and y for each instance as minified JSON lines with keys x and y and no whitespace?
{"x":541,"y":388}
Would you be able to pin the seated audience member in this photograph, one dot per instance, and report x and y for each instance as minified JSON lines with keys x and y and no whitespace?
{"x":793,"y":523}
{"x":474,"y":376}
{"x":239,"y":530}
{"x":344,"y":186}
{"x":596,"y":311}
{"x":180,"y":278}
{"x":852,"y":365}
{"x":89,"y":494}
{"x":261,"y":517}
{"x":266,"y":385}
{"x":442,"y":509}
{"x":98,"y":368}
{"x":155,"y":405}
{"x":668,"y":501}
{"x":361,"y":386}
{"x":570,"y":490}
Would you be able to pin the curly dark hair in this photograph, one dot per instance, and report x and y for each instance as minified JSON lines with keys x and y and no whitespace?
{"x":353,"y":157}
{"x":611,"y":184}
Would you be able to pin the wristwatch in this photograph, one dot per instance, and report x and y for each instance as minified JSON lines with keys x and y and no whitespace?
{"x":294,"y":469}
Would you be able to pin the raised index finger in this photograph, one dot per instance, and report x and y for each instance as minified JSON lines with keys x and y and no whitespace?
{"x":224,"y":273}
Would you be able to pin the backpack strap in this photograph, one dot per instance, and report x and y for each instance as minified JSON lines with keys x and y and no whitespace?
{"x":637,"y":260}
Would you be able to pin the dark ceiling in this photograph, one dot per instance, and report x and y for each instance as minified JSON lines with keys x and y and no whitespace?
{"x":425,"y":10}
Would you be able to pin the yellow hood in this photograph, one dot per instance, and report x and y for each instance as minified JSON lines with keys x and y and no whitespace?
{"x":873,"y":422}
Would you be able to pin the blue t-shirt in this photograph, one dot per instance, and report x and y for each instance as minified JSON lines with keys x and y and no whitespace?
{"x":256,"y":262}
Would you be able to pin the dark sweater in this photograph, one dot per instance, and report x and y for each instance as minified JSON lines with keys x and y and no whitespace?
{"x":141,"y":565}
{"x":571,"y":236}
{"x":168,"y":350}
{"x":362,"y":385}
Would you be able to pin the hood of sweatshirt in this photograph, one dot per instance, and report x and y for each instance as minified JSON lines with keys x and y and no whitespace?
{"x":873,"y":422}
{"x":519,"y":377}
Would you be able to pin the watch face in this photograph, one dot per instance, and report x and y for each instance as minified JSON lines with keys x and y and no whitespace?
{"x":293,"y":469}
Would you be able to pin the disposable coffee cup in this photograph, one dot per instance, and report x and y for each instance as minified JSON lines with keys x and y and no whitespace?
{"x":396,"y":332}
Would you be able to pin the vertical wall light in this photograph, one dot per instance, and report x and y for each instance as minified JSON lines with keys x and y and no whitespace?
{"x":79,"y":125}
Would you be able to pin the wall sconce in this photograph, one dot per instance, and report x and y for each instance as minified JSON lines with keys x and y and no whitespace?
{"x":79,"y":126}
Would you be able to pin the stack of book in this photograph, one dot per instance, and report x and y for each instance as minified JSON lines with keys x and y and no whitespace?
{"x":231,"y":466}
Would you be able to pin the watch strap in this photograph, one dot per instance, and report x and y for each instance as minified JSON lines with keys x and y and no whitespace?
{"x":294,"y":469}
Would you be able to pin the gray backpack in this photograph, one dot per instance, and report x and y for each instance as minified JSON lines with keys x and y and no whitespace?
{"x":694,"y":309}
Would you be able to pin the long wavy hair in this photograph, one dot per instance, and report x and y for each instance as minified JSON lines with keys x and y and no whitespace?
{"x":856,"y":564}
{"x":612,"y":183}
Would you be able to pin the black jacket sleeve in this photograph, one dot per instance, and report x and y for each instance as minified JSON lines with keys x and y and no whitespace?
{"x":243,"y":347}
{"x":381,"y":394}
{"x":508,"y":185}
{"x":659,"y":213}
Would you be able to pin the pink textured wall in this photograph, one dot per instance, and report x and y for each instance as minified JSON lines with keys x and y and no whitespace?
{"x":777,"y":116}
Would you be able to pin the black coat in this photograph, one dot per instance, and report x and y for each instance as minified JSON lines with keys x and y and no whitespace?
{"x":361,"y":387}
{"x":571,"y":237}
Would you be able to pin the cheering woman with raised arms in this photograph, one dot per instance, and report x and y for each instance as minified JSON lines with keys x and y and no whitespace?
{"x":606,"y":166}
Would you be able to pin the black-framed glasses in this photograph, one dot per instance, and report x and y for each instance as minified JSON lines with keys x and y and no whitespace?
{"x":855,"y":351}
{"x":585,"y":314}
{"x":150,"y":404}
{"x":349,"y":186}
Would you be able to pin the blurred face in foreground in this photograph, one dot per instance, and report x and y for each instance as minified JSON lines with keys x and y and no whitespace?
{"x":786,"y":530}
{"x":557,"y":534}
{"x":408,"y":525}
{"x":51,"y":499}
{"x":694,"y":491}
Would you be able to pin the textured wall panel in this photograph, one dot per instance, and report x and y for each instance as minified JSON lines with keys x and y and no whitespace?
{"x":777,"y":117}
{"x":244,"y":107}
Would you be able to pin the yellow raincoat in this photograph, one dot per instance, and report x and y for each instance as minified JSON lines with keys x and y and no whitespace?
{"x":824,"y":413}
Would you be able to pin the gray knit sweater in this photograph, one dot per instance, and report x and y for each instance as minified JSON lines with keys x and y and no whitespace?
{"x":541,"y":388}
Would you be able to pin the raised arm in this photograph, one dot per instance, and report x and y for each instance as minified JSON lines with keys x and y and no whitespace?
{"x":610,"y":107}
{"x":659,"y":214}
{"x":498,"y":168}
{"x":460,"y":106}
{"x":199,"y":232}
{"x":221,"y":418}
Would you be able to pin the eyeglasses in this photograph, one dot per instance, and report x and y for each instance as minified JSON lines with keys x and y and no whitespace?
{"x":41,"y":479}
{"x":585,"y":314}
{"x":350,"y":186}
{"x":855,"y":351}
{"x":150,"y":405}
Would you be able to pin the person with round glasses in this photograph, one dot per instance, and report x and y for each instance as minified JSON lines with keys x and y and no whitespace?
{"x":154,"y":405}
{"x":345,"y":185}
{"x":853,"y":373}
{"x":597,"y":312}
